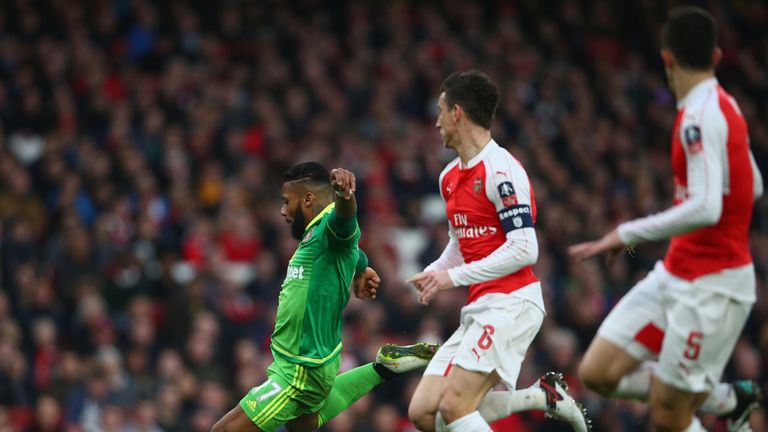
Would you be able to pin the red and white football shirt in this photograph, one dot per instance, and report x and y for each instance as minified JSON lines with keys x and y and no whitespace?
{"x":716,"y":182}
{"x":491,"y":213}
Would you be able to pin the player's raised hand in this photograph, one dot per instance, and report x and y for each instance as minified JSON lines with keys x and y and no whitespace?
{"x":365,"y":285}
{"x":428,"y":284}
{"x":608,"y":243}
{"x":343,"y":182}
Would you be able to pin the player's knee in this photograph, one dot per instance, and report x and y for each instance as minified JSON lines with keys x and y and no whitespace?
{"x":452,"y":406}
{"x":672,"y":408}
{"x":666,"y":411}
{"x":423,"y":417}
{"x":667,"y":420}
{"x":424,"y":423}
{"x":597,"y":379}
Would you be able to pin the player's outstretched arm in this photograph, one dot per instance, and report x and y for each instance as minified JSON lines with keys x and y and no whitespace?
{"x":701,"y":203}
{"x":702,"y":142}
{"x":344,"y":186}
{"x":610,"y":243}
{"x":343,"y":222}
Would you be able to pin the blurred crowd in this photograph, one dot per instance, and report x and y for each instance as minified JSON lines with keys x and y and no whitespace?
{"x":142,"y":146}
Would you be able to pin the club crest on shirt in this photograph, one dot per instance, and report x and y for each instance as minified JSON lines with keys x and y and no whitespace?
{"x":477,"y":185}
{"x":507,"y":193}
{"x":692,"y":135}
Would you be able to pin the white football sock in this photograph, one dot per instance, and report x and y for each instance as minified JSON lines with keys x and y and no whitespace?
{"x":500,"y":404}
{"x":636,"y":384}
{"x":722,"y":400}
{"x":440,"y":423}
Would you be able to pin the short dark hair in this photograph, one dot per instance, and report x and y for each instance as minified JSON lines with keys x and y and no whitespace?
{"x":475,"y":93}
{"x":691,"y":35}
{"x":313,"y":172}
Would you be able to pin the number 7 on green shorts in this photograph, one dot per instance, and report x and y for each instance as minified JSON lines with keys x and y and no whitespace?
{"x":274,"y":402}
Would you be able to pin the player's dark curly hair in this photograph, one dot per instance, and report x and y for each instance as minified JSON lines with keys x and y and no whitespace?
{"x":690,"y":34}
{"x":313,"y":172}
{"x":475,"y":93}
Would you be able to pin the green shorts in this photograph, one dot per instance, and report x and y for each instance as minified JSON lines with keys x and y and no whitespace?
{"x":291,"y":390}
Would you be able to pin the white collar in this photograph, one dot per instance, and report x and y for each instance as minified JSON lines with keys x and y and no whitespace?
{"x":697,"y":90}
{"x":479,"y":157}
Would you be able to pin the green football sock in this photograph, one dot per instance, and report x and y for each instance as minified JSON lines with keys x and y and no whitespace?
{"x":347,"y":389}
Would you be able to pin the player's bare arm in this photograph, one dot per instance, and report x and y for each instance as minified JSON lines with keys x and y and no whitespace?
{"x":344,"y":186}
{"x":610,"y":243}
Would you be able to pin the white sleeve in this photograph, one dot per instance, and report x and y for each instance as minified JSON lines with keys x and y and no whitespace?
{"x":507,"y":187}
{"x":757,"y":178}
{"x":451,"y":256}
{"x":704,"y":140}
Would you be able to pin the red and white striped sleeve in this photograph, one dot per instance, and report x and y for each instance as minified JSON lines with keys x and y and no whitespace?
{"x":508,"y":188}
{"x":703,"y":136}
{"x":451,"y":256}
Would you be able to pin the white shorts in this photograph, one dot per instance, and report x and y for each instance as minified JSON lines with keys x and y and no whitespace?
{"x":494,"y":334}
{"x":688,"y":326}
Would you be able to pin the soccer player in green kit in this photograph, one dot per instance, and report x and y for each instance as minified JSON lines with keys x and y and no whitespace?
{"x":302,"y":390}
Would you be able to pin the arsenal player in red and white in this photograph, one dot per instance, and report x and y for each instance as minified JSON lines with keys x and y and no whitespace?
{"x":690,"y":309}
{"x":491,"y":214}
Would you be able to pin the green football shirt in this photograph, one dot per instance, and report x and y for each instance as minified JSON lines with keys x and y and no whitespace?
{"x":316,"y":291}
